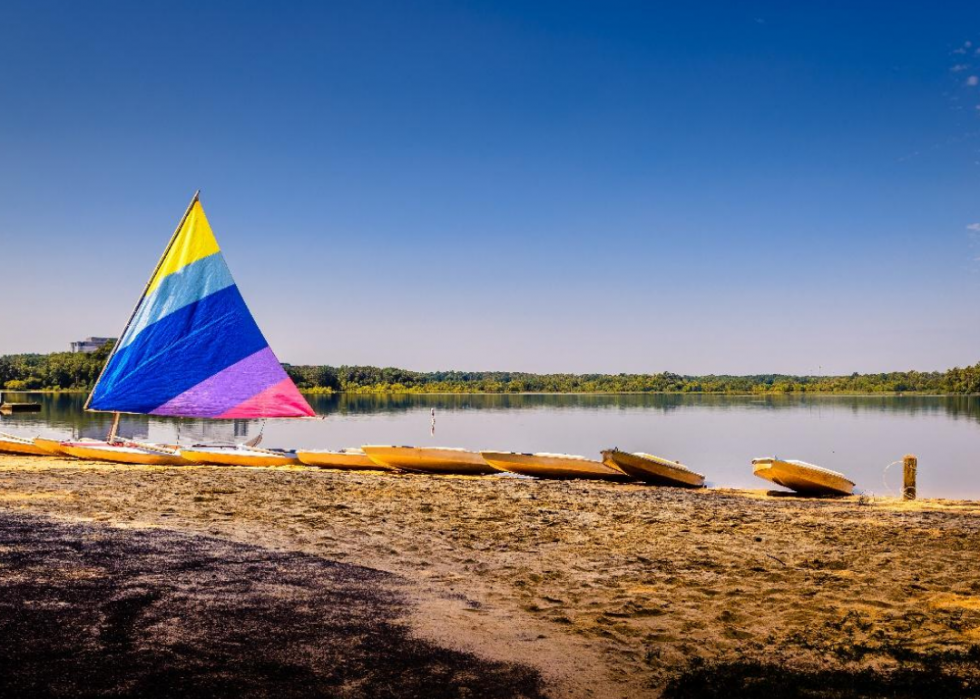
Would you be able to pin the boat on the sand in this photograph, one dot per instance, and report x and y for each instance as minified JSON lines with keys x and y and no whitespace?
{"x":239,"y":456}
{"x":353,"y":458}
{"x":56,"y":447}
{"x":559,"y":466}
{"x":12,"y":444}
{"x":802,"y":477}
{"x":439,"y":460}
{"x":652,"y":469}
{"x":126,"y":453}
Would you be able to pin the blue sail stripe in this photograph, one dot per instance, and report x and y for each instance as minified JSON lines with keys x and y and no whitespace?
{"x":192,"y":283}
{"x":178,"y":352}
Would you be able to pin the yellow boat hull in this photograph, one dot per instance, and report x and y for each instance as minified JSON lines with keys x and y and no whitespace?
{"x":555,"y":466}
{"x":51,"y":446}
{"x":229,"y":457}
{"x":346,"y":459}
{"x":652,"y":469}
{"x":437,"y":460}
{"x":124,"y":455}
{"x":802,"y":477}
{"x":23,"y":447}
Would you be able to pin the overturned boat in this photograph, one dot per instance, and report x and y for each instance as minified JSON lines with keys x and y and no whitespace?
{"x":804,"y":478}
{"x":239,"y":456}
{"x":353,"y":458}
{"x":444,"y":460}
{"x":559,"y":466}
{"x":652,"y":469}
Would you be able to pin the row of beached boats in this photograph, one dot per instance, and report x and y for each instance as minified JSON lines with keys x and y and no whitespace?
{"x":615,"y":465}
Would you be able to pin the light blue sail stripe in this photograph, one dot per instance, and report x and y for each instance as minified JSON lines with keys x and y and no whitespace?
{"x":194,"y":282}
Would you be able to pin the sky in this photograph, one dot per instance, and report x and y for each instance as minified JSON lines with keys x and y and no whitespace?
{"x":541,"y":186}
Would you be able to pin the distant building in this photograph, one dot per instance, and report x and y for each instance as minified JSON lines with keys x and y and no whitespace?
{"x":90,"y":344}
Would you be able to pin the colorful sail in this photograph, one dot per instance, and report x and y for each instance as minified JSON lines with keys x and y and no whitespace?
{"x":191,"y":348}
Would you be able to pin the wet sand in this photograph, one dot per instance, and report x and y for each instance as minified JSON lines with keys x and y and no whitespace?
{"x":604,"y":589}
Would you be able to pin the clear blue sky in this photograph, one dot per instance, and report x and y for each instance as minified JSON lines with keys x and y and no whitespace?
{"x":544,"y":186}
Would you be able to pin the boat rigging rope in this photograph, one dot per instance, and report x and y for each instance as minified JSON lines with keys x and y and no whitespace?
{"x":884,"y":477}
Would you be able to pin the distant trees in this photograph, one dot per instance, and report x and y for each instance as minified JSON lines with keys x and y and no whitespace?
{"x":65,"y":370}
{"x":963,"y":380}
{"x":61,"y":370}
{"x":364,"y":379}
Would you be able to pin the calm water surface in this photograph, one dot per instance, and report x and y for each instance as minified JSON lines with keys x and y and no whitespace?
{"x":716,"y":435}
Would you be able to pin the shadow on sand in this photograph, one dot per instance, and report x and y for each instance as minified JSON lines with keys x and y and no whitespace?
{"x":91,"y":610}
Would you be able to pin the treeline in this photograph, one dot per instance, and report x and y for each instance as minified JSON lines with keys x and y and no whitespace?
{"x":58,"y":371}
{"x":64,"y":370}
{"x":366,"y":379}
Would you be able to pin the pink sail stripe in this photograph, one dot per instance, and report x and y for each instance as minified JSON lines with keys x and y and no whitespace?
{"x":283,"y":398}
{"x":227,"y":388}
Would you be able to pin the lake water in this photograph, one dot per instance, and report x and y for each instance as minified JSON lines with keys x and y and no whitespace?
{"x":716,"y":435}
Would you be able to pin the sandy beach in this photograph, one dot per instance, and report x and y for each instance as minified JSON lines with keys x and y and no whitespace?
{"x":577,"y":589}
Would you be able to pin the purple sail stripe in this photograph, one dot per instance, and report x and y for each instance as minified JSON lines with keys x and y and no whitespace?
{"x":227,"y":388}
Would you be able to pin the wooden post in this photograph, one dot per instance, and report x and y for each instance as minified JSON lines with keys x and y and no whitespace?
{"x":911,"y":465}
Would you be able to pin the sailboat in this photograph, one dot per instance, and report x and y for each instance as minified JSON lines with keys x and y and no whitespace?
{"x":191,"y":349}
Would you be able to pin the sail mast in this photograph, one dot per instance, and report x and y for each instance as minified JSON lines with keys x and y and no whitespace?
{"x":114,"y":430}
{"x":173,"y":238}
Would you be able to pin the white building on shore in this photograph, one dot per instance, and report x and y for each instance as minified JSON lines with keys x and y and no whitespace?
{"x":90,"y":344}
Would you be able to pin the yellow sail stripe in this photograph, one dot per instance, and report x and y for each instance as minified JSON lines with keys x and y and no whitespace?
{"x":194,"y":242}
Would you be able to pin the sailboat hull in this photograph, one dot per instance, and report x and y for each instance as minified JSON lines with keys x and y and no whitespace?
{"x":802,"y":477}
{"x":556,"y":466}
{"x":239,"y":457}
{"x":52,"y":447}
{"x":653,"y":469}
{"x":346,"y":459}
{"x":24,"y":447}
{"x":437,"y":460}
{"x":124,"y":455}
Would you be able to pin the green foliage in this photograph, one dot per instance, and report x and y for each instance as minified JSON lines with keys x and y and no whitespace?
{"x":367,"y":379}
{"x":61,"y":370}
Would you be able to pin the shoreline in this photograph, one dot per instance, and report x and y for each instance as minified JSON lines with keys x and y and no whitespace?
{"x":606,"y":589}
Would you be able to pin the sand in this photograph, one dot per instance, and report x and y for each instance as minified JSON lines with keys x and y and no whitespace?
{"x":606,"y":590}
